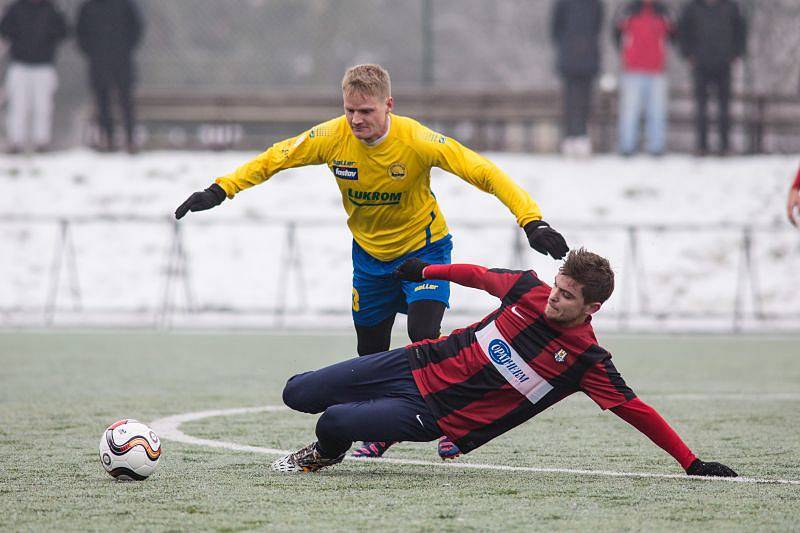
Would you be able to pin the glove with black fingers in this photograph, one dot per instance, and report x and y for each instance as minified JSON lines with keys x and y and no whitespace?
{"x":545,"y":239}
{"x":200,"y":201}
{"x":700,"y":468}
{"x":411,"y":270}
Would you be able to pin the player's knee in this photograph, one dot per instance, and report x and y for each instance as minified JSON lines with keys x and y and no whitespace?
{"x":425,"y":319}
{"x":301,"y":396}
{"x":370,"y":346}
{"x":374,"y":339}
{"x":419,"y":330}
{"x":333,"y":422}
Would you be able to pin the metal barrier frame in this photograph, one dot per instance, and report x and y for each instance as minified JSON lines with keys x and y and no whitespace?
{"x":633,"y":292}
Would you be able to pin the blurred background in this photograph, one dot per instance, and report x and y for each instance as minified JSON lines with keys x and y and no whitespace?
{"x":248,"y":49}
{"x":87,"y":237}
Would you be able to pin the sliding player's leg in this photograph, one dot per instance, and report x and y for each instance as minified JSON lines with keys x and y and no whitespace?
{"x":386,"y":419}
{"x":372,"y":398}
{"x":354,"y":380}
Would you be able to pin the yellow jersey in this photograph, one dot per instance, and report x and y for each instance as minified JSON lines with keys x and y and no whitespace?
{"x":386,"y":187}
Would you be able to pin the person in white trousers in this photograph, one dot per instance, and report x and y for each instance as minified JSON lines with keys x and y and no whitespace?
{"x":33,"y":28}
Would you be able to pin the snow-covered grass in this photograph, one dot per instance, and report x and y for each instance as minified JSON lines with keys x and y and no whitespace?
{"x":685,"y":269}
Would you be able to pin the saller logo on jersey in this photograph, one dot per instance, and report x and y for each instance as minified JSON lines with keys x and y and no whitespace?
{"x":511,"y":365}
{"x":345,"y":173}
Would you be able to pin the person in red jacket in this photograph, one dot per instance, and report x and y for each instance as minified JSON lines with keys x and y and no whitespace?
{"x":481,"y":381}
{"x":793,"y":204}
{"x":642,"y":31}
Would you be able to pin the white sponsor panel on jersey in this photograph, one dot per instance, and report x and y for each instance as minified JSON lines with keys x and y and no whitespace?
{"x":511,"y":365}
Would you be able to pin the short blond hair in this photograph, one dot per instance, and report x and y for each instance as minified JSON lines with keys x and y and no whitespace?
{"x":369,"y":80}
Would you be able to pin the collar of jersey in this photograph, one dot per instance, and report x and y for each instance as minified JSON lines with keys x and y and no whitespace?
{"x":383,"y":137}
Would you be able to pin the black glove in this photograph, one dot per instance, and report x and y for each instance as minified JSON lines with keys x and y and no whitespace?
{"x":545,"y":239}
{"x":699,"y":468}
{"x":411,"y":270}
{"x":200,"y":201}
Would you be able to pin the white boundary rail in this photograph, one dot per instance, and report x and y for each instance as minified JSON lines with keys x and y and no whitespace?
{"x":632,"y":295}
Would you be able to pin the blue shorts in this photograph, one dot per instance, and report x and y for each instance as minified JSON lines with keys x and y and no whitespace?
{"x":378,"y":295}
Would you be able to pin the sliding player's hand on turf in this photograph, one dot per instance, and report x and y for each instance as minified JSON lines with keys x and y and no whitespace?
{"x":411,"y":270}
{"x":200,"y":201}
{"x":545,"y":239}
{"x":701,"y":468}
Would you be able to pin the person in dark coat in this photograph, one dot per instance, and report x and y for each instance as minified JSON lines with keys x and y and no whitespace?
{"x":108,"y":33}
{"x":34,"y":29}
{"x":575,"y":31}
{"x":713,"y":35}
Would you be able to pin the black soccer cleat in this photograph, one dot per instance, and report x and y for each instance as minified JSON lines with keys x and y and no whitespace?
{"x":700,"y":468}
{"x":307,"y":459}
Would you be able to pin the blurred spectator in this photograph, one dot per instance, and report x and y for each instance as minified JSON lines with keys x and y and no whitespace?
{"x":793,"y":204}
{"x":713,"y":35}
{"x":575,"y":30}
{"x":34,"y":29}
{"x":108,"y":32}
{"x":642,"y":30}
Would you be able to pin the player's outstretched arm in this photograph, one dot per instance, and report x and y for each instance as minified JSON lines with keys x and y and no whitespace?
{"x":652,"y":424}
{"x":545,"y":239}
{"x":308,"y":148}
{"x":793,"y":203}
{"x":478,"y":171}
{"x":793,"y":206}
{"x":495,"y":282}
{"x":200,"y":201}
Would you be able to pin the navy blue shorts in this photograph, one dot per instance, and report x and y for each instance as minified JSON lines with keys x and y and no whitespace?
{"x":369,"y":398}
{"x":378,"y":295}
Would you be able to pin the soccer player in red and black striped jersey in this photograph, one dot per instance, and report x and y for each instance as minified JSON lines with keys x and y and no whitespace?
{"x":793,"y":203}
{"x":533,"y":351}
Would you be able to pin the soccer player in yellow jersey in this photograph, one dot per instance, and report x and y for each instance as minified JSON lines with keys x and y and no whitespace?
{"x":381,"y":163}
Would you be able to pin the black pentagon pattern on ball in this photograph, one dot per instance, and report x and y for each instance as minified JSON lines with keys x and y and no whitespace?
{"x":122,"y":472}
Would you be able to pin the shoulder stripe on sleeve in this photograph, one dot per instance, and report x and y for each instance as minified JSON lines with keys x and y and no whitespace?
{"x":617,"y":381}
{"x":524,"y":284}
{"x":595,"y":354}
{"x":506,"y":271}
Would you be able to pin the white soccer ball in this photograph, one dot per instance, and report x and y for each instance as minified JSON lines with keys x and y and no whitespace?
{"x":129,"y":450}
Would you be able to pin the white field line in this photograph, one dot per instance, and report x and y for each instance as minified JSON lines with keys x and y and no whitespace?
{"x":169,"y":428}
{"x":727,"y":396}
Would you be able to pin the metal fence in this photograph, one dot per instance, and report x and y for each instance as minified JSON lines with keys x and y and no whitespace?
{"x":733,"y":297}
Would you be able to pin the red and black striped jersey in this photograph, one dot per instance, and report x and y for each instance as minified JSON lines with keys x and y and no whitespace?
{"x":487,"y":378}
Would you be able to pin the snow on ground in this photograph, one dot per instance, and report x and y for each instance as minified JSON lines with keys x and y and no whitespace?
{"x":684,"y":272}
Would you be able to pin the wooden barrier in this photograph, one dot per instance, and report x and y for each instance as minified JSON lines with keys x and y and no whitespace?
{"x":504,"y":120}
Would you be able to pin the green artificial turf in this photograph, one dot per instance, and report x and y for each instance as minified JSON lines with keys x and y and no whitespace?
{"x":732,"y":399}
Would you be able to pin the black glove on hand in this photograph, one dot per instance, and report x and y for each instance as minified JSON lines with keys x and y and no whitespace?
{"x":200,"y":201}
{"x":545,"y":239}
{"x":411,"y":270}
{"x":699,"y":468}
